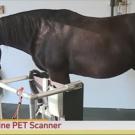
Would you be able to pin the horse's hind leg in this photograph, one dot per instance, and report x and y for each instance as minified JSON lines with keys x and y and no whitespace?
{"x":72,"y":101}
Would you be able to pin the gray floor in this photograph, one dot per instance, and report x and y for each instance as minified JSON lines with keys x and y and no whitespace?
{"x":108,"y":114}
{"x":89,"y":113}
{"x":9,"y":109}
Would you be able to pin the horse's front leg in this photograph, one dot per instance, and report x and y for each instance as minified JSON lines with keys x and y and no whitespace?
{"x":72,"y":101}
{"x":59,"y":76}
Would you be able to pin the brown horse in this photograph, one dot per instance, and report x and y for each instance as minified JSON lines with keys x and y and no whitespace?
{"x":64,"y":42}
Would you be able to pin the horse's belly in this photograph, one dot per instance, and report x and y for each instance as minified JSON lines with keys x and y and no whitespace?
{"x":94,"y":57}
{"x":99,"y":69}
{"x":99,"y":72}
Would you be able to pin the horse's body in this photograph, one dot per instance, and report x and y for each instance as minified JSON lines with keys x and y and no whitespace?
{"x":64,"y":42}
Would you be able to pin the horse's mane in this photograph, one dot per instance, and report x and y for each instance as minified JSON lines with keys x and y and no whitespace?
{"x":18,"y":26}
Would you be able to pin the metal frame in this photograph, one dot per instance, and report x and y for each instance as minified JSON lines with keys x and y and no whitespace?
{"x":65,"y":88}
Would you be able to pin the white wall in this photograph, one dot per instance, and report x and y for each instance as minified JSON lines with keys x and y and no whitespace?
{"x":118,"y":92}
